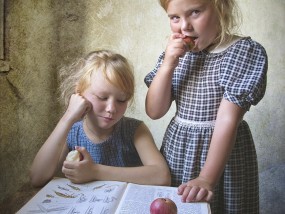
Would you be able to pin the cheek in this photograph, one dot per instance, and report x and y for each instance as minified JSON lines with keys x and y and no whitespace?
{"x":211,"y":26}
{"x":98,"y":106}
{"x":175,"y":28}
{"x":122,"y":108}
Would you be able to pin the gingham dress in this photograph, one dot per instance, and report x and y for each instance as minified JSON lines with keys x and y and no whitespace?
{"x":117,"y":150}
{"x":199,"y":83}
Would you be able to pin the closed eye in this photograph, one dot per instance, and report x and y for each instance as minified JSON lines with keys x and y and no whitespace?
{"x":102,"y":98}
{"x":122,"y":101}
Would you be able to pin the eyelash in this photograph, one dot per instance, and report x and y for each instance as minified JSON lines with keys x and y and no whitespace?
{"x":174,"y":18}
{"x":105,"y":98}
{"x":100,"y":98}
{"x":193,"y":13}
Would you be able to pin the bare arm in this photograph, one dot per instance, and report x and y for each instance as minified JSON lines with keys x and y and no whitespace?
{"x":153,"y":172}
{"x":158,"y":98}
{"x":53,"y":152}
{"x":223,"y":139}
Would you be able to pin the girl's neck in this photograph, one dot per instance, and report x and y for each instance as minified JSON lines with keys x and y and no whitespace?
{"x":95,"y":135}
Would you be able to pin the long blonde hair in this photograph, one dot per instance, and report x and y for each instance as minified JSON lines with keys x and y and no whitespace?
{"x":77,"y":76}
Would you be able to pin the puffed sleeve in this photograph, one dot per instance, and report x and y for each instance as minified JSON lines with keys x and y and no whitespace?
{"x":243,"y":73}
{"x":149,"y":77}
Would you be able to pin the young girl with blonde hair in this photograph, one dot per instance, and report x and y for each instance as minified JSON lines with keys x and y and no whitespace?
{"x":96,"y":90}
{"x":208,"y":146}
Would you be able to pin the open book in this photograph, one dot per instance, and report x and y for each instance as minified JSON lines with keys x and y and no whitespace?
{"x":104,"y":197}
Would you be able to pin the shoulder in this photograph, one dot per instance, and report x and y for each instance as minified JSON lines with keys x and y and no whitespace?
{"x":238,"y":43}
{"x":128,"y":126}
{"x":245,"y":46}
{"x":130,"y":122}
{"x":73,"y":134}
{"x":149,"y":77}
{"x":75,"y":131}
{"x":245,"y":56}
{"x":243,"y":72}
{"x":76,"y":126}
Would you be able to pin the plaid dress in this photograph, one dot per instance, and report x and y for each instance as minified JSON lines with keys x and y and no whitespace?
{"x":199,"y":83}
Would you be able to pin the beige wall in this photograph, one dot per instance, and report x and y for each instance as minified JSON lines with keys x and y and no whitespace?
{"x":42,"y":35}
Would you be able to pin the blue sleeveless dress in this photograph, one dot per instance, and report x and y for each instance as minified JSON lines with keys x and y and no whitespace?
{"x":199,"y":83}
{"x":118,"y":150}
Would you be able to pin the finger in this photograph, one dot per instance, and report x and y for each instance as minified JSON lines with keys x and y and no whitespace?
{"x":66,"y":171}
{"x":88,"y":106}
{"x":185,"y":193}
{"x":209,"y":197}
{"x":181,"y":188}
{"x":176,"y":36}
{"x":85,"y":154}
{"x":69,"y":164}
{"x":201,"y":194}
{"x":192,"y":194}
{"x":77,"y":91}
{"x":75,"y":181}
{"x":71,"y":178}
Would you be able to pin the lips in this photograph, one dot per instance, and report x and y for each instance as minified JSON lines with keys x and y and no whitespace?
{"x":108,"y":118}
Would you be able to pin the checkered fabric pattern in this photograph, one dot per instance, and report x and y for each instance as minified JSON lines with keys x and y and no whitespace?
{"x":117,"y":150}
{"x":199,"y":83}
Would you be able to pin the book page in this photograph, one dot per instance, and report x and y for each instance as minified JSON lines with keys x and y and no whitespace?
{"x":138,"y":198}
{"x":62,"y":196}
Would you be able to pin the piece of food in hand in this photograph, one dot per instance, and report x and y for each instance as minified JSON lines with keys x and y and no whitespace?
{"x":190,"y":42}
{"x":163,"y":206}
{"x":74,"y":155}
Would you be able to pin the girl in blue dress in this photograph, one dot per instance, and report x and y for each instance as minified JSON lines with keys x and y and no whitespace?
{"x":97,"y":90}
{"x":208,"y":146}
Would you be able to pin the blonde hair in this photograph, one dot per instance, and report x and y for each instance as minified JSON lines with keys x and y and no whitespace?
{"x":229,"y":17}
{"x":77,"y":76}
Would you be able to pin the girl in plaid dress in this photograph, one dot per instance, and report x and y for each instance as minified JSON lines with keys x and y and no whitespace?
{"x":208,"y":146}
{"x":97,"y":90}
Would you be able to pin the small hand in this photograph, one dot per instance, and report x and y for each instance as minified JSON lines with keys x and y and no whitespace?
{"x":77,"y":108}
{"x":175,"y":48}
{"x":79,"y":172}
{"x":196,"y":190}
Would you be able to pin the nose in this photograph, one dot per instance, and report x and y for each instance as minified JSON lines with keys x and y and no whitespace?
{"x":111,"y":107}
{"x":186,"y":25}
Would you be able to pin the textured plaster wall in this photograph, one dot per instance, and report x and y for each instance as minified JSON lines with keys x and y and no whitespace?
{"x":27,"y":106}
{"x":42,"y":35}
{"x":263,"y":21}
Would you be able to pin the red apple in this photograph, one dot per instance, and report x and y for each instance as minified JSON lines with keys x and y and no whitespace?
{"x":163,"y":206}
{"x":190,"y":42}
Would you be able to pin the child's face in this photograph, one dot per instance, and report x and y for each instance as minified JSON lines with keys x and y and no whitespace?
{"x":196,"y":19}
{"x":109,"y":103}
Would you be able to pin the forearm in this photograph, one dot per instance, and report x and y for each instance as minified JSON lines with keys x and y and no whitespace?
{"x":222,"y":142}
{"x":201,"y":188}
{"x":224,"y":136}
{"x":46,"y":162}
{"x":158,"y":98}
{"x":148,"y":175}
